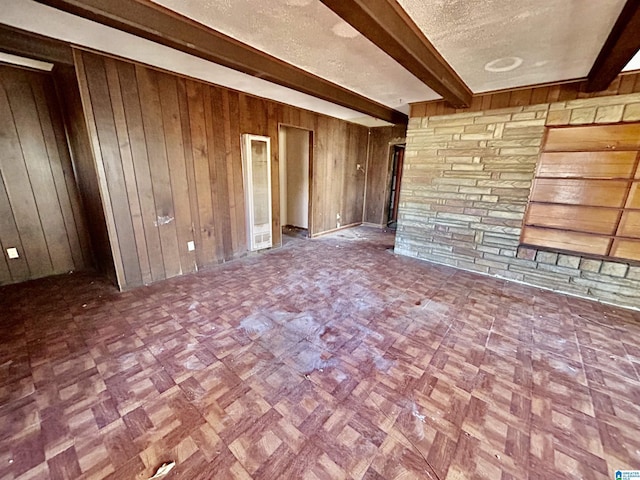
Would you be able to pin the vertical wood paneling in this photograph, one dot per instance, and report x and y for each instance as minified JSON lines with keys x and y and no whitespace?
{"x":141,"y":166}
{"x":236,"y":188}
{"x":228,"y":131}
{"x":215,"y":158}
{"x":40,"y":210}
{"x":62,"y":171}
{"x":190,"y":176}
{"x":321,"y":162}
{"x":180,"y":157}
{"x":4,"y":266}
{"x":350,"y":200}
{"x":168,"y":89}
{"x":17,"y":269}
{"x":159,"y":165}
{"x":271,"y":110}
{"x":379,"y":172}
{"x":124,"y":142}
{"x":114,"y":173}
{"x":219,"y":170}
{"x":100,"y":171}
{"x":85,"y":172}
{"x":354,"y":177}
{"x":358,"y":156}
{"x":20,"y":197}
{"x":31,"y":136}
{"x":333,"y":202}
{"x":623,"y":84}
{"x":207,"y":250}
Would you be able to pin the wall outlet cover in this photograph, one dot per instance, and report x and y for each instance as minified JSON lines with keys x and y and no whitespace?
{"x":13,"y":253}
{"x":191,"y":246}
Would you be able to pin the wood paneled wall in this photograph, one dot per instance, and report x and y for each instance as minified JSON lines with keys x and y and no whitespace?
{"x":584,"y":191}
{"x":379,"y":171}
{"x":168,"y":159}
{"x":560,"y":92}
{"x":84,"y":166}
{"x":40,"y":210}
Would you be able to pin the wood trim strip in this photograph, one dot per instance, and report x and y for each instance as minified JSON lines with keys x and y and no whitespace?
{"x":153,"y":22}
{"x":521,"y":97}
{"x":23,"y":43}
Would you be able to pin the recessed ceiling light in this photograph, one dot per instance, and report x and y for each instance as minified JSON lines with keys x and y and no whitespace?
{"x":344,"y":30}
{"x":504,"y":64}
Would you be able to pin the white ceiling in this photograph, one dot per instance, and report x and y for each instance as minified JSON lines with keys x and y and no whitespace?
{"x":555,"y":39}
{"x":308,"y":35}
{"x":545,"y":40}
{"x":35,"y":17}
{"x":483,"y":40}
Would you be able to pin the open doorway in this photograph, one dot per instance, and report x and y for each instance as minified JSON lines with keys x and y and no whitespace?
{"x":295,"y":147}
{"x":397,"y":159}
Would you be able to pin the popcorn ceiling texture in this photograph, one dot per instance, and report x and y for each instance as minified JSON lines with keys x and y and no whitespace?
{"x":557,"y":39}
{"x":468,"y":34}
{"x":465,"y":187}
{"x":310,"y":36}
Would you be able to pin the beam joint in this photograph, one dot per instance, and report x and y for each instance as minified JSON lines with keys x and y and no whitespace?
{"x":387,"y":25}
{"x":621,"y":45}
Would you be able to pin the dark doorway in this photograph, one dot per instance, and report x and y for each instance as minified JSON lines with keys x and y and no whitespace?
{"x":397,"y":160}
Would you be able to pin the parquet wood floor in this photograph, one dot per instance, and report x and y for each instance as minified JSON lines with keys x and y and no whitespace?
{"x":326,"y":359}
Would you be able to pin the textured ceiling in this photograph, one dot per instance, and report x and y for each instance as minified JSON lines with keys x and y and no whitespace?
{"x":35,"y":17}
{"x":552,"y":40}
{"x":492,"y":44}
{"x":308,"y":35}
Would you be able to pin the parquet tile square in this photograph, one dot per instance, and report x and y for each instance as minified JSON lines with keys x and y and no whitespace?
{"x":325,"y":359}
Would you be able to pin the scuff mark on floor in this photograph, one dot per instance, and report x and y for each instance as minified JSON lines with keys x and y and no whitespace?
{"x":255,"y":324}
{"x":418,"y":416}
{"x":382,"y":363}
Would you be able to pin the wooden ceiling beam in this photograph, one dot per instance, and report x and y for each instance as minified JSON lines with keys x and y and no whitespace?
{"x":621,"y":45}
{"x":31,"y":45}
{"x":161,"y":25}
{"x":387,"y":25}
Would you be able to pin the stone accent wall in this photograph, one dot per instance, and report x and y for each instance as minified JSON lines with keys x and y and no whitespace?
{"x":465,"y":186}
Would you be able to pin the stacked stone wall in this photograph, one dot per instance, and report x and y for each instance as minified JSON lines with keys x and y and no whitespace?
{"x":465,"y":186}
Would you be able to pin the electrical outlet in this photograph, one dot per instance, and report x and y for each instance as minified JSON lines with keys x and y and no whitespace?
{"x":13,"y":253}
{"x":191,"y":246}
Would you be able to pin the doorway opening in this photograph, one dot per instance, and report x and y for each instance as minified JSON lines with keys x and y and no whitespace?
{"x":397,"y":159}
{"x":295,"y":160}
